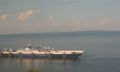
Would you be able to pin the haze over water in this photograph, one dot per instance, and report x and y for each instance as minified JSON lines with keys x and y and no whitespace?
{"x":101,"y":51}
{"x":38,"y":18}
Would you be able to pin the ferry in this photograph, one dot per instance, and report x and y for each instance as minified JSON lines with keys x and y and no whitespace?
{"x":30,"y":52}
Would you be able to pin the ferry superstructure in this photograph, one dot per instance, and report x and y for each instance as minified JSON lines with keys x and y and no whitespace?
{"x":42,"y":53}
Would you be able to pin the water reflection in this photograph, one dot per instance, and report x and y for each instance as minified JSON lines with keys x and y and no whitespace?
{"x":33,"y":70}
{"x":38,"y":65}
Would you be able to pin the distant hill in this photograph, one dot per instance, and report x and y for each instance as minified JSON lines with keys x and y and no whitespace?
{"x":67,"y":34}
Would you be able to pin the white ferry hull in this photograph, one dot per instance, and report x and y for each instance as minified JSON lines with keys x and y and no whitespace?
{"x":34,"y":53}
{"x":49,"y":56}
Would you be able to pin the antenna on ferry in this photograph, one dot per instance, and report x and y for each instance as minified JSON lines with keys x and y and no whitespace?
{"x":39,"y":47}
{"x":44,"y":47}
{"x":52,"y":48}
{"x":29,"y":46}
{"x":32,"y":48}
{"x":10,"y":49}
{"x":48,"y":47}
{"x":5,"y":49}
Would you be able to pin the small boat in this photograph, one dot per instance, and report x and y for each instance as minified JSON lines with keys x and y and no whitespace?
{"x":30,"y":52}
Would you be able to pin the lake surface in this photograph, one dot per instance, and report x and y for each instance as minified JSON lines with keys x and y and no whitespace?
{"x":102,"y":52}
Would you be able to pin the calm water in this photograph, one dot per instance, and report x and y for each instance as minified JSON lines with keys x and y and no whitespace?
{"x":102,"y":52}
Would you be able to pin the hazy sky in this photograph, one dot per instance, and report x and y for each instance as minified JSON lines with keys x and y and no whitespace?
{"x":23,"y":16}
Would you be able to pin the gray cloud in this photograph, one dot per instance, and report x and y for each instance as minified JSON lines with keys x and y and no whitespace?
{"x":103,"y":22}
{"x":25,"y":15}
{"x":3,"y":17}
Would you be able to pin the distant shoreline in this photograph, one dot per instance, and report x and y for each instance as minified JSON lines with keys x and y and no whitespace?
{"x":75,"y":32}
